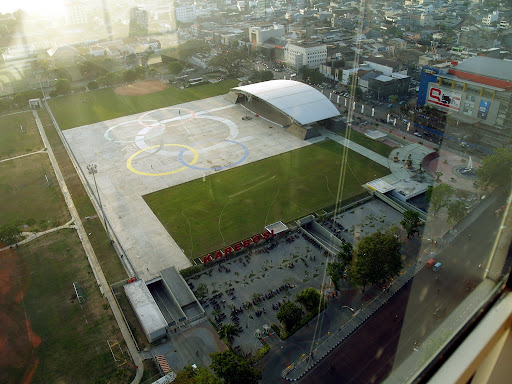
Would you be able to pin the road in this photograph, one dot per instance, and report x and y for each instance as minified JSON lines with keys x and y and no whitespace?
{"x":394,"y":332}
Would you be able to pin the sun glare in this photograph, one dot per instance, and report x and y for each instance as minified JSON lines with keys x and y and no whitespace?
{"x":48,"y":7}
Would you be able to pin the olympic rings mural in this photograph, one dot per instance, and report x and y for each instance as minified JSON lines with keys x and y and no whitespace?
{"x":157,"y":128}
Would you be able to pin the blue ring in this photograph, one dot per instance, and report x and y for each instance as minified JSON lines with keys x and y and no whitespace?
{"x":246,"y":153}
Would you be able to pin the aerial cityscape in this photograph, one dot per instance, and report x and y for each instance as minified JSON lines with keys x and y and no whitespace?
{"x":255,"y":191}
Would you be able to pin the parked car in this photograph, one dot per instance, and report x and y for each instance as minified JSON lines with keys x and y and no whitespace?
{"x":425,"y":133}
{"x":417,"y":134}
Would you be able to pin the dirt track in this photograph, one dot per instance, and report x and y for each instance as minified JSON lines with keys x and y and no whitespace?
{"x":141,"y":88}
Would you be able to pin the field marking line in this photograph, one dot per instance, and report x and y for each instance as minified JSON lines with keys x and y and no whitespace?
{"x":252,"y":186}
{"x":270,"y":206}
{"x":189,"y":232}
{"x":26,"y":154}
{"x":220,"y":216}
{"x":130,"y":159}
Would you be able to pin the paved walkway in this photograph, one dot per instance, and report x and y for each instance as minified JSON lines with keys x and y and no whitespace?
{"x":26,"y":154}
{"x":355,"y":147}
{"x":91,"y":256}
{"x":29,"y":236}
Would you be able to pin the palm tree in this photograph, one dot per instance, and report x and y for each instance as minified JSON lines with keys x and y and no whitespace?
{"x":229,"y":331}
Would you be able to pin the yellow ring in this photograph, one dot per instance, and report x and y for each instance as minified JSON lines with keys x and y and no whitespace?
{"x":130,"y":167}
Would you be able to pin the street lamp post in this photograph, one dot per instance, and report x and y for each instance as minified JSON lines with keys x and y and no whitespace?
{"x":93,"y":170}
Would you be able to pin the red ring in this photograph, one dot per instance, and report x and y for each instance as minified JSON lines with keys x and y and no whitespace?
{"x":179,"y":122}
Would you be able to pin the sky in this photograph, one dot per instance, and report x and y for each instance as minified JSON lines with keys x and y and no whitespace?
{"x":55,"y":7}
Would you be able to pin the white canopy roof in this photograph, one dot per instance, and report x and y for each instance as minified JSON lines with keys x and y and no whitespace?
{"x":299,"y":101}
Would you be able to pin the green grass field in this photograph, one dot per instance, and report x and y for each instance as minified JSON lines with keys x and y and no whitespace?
{"x":14,"y":141}
{"x":26,"y":196}
{"x":105,"y":104}
{"x":44,"y":330}
{"x":372,"y":145}
{"x":232,"y":205}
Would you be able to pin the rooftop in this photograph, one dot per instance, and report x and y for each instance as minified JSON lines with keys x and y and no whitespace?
{"x":297,"y":100}
{"x":487,"y":66}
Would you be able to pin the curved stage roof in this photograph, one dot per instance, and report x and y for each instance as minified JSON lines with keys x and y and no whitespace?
{"x":299,"y":101}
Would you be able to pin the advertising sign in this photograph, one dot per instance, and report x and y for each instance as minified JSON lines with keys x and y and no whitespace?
{"x":483,"y":110}
{"x":444,"y":98}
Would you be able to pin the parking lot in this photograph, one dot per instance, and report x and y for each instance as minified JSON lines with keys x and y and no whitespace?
{"x":264,"y":279}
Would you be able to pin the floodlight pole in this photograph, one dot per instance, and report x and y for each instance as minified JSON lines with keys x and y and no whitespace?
{"x":93,"y":170}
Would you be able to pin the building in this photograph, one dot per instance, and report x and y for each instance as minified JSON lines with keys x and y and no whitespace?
{"x":312,"y":55}
{"x":259,"y":35}
{"x":381,"y":87}
{"x":186,"y":13}
{"x":387,"y":67}
{"x":476,"y":95}
{"x":76,"y":12}
{"x":138,"y":22}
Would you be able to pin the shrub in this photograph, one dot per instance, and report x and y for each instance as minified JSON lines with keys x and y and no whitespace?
{"x":191,"y":270}
{"x":92,"y":85}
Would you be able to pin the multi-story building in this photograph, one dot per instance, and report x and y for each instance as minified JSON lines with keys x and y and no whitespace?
{"x":76,"y":12}
{"x":259,"y":35}
{"x":138,"y":22}
{"x":186,"y":13}
{"x":312,"y":55}
{"x":476,"y":95}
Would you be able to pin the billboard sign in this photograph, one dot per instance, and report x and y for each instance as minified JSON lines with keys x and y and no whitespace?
{"x":444,"y":98}
{"x":483,"y":110}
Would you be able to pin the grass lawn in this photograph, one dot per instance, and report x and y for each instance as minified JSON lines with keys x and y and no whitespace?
{"x":45,"y":332}
{"x":105,"y":104}
{"x":26,"y":195}
{"x":234,"y":204}
{"x":373,"y":145}
{"x":14,"y":141}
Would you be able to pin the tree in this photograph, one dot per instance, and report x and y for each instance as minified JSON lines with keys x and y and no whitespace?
{"x":346,"y":254}
{"x":191,"y":47}
{"x":231,"y":61}
{"x":393,"y":98}
{"x":310,"y":75}
{"x":377,"y":259}
{"x":229,"y":331}
{"x":496,"y":170}
{"x":411,"y":222}
{"x":92,"y":85}
{"x":440,"y":197}
{"x":62,"y":73}
{"x":129,"y":76}
{"x":233,"y":369}
{"x":358,"y":93}
{"x":309,"y":298}
{"x":63,"y":86}
{"x":289,"y":315}
{"x":428,"y":193}
{"x":175,"y":67}
{"x":335,"y":271}
{"x":258,"y":76}
{"x":338,"y":63}
{"x":198,"y":375}
{"x":202,"y":290}
{"x":9,"y":234}
{"x":456,"y":211}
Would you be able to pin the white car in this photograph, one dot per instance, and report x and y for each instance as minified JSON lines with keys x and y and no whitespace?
{"x":417,"y":134}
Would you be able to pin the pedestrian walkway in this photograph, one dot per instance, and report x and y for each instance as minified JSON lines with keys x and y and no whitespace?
{"x":26,"y":154}
{"x":29,"y":236}
{"x":379,"y":159}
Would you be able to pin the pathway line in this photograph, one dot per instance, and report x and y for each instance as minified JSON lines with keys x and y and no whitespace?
{"x":26,"y":154}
